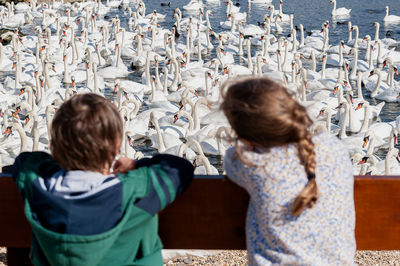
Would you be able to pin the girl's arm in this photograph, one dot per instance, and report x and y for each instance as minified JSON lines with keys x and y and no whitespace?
{"x":235,"y":169}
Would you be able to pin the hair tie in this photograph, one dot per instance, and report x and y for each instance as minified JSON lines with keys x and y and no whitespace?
{"x":310,"y":176}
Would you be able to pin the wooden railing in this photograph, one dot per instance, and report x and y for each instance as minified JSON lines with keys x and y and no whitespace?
{"x":211,"y":215}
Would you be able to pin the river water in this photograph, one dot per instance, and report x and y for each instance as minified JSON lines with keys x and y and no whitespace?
{"x":310,"y":13}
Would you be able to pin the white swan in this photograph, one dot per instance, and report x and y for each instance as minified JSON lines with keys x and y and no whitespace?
{"x":390,"y":18}
{"x":342,"y":11}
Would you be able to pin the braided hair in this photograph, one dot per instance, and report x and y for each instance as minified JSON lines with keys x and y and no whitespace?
{"x":262,"y":112}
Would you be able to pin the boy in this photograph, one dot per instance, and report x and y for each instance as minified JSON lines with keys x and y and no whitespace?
{"x":80,"y":213}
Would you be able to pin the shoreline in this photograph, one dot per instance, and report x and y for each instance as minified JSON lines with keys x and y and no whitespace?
{"x":239,"y":257}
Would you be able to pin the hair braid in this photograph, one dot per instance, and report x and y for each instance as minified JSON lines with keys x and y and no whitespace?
{"x":309,"y":195}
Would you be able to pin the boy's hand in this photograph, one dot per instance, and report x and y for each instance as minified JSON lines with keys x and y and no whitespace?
{"x":123,"y":165}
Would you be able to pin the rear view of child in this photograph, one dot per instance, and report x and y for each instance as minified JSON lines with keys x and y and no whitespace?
{"x":80,"y":213}
{"x":301,"y":207}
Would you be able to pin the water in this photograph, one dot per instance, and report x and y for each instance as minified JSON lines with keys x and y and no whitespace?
{"x":311,"y":13}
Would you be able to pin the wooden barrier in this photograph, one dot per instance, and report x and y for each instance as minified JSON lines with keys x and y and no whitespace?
{"x":211,"y":215}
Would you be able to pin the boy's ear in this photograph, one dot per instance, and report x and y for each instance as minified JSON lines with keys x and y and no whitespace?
{"x":117,"y":146}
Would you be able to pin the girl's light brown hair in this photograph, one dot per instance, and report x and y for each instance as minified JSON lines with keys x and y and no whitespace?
{"x":262,"y":112}
{"x":85,"y":133}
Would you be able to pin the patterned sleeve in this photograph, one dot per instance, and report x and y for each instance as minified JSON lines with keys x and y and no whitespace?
{"x":235,"y":170}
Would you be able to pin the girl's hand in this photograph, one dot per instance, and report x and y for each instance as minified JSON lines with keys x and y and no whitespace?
{"x":123,"y":165}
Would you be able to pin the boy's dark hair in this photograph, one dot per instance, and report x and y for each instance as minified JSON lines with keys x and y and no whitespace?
{"x":85,"y":133}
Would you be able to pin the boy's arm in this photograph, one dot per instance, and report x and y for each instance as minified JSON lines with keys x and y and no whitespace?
{"x":169,"y":176}
{"x":39,"y":162}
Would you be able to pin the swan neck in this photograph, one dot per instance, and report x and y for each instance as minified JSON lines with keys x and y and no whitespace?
{"x":365,"y":124}
{"x":344,"y":117}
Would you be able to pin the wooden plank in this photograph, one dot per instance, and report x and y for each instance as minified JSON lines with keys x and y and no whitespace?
{"x":18,"y":257}
{"x":377,"y":202}
{"x":14,"y":228}
{"x":211,"y":215}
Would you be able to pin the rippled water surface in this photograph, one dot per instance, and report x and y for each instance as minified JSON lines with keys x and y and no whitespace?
{"x":311,"y":13}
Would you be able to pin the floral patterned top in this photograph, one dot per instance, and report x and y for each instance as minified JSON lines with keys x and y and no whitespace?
{"x":322,"y":235}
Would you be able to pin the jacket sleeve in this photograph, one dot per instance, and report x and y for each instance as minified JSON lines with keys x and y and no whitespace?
{"x":169,"y":176}
{"x":39,"y":162}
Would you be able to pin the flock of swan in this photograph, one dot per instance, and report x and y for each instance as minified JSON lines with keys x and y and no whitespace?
{"x":174,"y":104}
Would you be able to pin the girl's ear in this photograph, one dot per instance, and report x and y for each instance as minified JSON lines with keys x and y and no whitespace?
{"x":248,"y":144}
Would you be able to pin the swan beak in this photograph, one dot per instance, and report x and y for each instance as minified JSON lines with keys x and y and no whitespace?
{"x":396,"y":71}
{"x":398,"y":96}
{"x":115,"y":88}
{"x":74,"y":93}
{"x":14,"y":65}
{"x":194,"y":164}
{"x":279,"y":52}
{"x":358,"y":106}
{"x":126,"y":95}
{"x":73,"y":83}
{"x":335,"y":90}
{"x":363,"y":160}
{"x":209,"y":75}
{"x":175,"y":118}
{"x":351,"y":99}
{"x":366,"y":140}
{"x":265,"y":62}
{"x":342,"y":45}
{"x":321,"y":113}
{"x":179,"y":87}
{"x":53,"y":68}
{"x":224,"y":71}
{"x":395,"y":140}
{"x":196,"y":93}
{"x":371,"y":73}
{"x":156,"y":63}
{"x":226,"y":3}
{"x":384,"y":64}
{"x":168,"y":62}
{"x":8,"y":131}
{"x":305,"y":84}
{"x":180,"y":105}
{"x":212,"y":63}
{"x":21,"y":92}
{"x":330,"y":2}
{"x":36,"y":74}
{"x":346,"y":84}
{"x":41,"y":84}
{"x":26,"y":120}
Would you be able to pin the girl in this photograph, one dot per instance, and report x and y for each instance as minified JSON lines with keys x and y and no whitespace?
{"x":301,"y":208}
